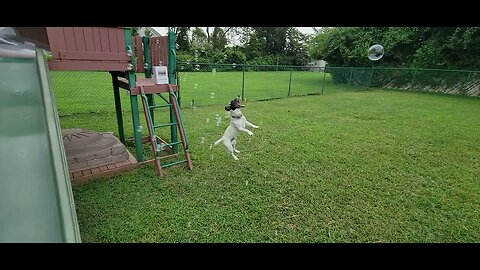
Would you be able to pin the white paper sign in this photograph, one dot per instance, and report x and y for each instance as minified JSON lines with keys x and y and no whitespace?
{"x":160,"y":74}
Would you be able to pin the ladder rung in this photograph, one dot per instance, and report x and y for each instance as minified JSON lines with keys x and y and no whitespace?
{"x":170,"y":144}
{"x":159,"y":106}
{"x":164,"y":125}
{"x":173,"y":163}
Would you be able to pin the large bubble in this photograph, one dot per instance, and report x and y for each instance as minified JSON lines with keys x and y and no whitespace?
{"x":375,"y":52}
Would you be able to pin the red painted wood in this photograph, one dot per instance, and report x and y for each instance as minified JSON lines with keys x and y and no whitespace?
{"x":73,"y":55}
{"x":182,"y":131}
{"x":139,"y":67}
{"x":88,"y":65}
{"x":96,"y":39}
{"x":56,"y":40}
{"x":89,"y":39}
{"x":112,"y":37}
{"x":79,"y":38}
{"x":150,"y":87}
{"x":151,"y":135}
{"x":104,"y":41}
{"x":121,"y":40}
{"x":69,"y":38}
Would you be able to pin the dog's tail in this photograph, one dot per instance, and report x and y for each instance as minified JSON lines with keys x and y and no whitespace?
{"x":218,"y":141}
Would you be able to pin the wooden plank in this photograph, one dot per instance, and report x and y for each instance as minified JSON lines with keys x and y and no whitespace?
{"x":119,"y":74}
{"x":79,"y":38}
{"x":123,"y":84}
{"x":104,"y":42}
{"x":112,"y":37}
{"x":96,"y":39}
{"x":164,"y":50}
{"x":152,"y":56}
{"x":94,"y":56}
{"x":88,"y":65}
{"x":108,"y":173}
{"x":121,"y":40}
{"x":56,"y":39}
{"x":150,"y":87}
{"x":69,"y":38}
{"x":139,"y":65}
{"x":89,"y":39}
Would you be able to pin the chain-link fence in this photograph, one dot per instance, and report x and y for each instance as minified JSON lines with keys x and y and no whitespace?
{"x":454,"y":82}
{"x":207,"y":84}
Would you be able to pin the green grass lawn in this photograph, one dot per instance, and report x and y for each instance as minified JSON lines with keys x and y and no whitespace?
{"x":353,"y":166}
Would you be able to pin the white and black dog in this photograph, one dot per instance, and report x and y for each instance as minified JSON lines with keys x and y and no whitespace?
{"x":237,"y":124}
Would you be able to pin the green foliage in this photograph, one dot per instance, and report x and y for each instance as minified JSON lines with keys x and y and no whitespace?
{"x":218,"y":39}
{"x":148,"y":33}
{"x":424,"y":47}
{"x":182,"y":39}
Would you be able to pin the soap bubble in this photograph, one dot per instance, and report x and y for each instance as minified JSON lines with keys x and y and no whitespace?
{"x":234,"y":65}
{"x":212,"y":95}
{"x":208,"y":120}
{"x":195,"y":86}
{"x":214,"y":71}
{"x":140,"y":128}
{"x":203,"y":140}
{"x":177,"y":46}
{"x":197,"y":67}
{"x":375,"y":52}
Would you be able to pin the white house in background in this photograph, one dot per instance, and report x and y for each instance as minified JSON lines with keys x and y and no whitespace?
{"x":317,"y":65}
{"x":141,"y":31}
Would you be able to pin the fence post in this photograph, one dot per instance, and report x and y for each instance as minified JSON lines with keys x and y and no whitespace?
{"x":172,"y":68}
{"x":243,"y":83}
{"x":324,"y":74}
{"x":413,"y":79}
{"x":468,"y":79}
{"x":148,"y":72}
{"x":177,"y":75}
{"x":371,"y":77}
{"x":290,"y":82}
{"x":350,"y":77}
{"x":118,"y":106}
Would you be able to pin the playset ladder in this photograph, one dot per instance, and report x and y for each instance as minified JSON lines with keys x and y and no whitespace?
{"x":157,"y":144}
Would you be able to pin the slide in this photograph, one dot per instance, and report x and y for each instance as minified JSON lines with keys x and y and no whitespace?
{"x":36,"y":201}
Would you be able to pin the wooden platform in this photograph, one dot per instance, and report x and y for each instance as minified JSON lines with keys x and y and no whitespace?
{"x":79,"y":176}
{"x":148,"y":84}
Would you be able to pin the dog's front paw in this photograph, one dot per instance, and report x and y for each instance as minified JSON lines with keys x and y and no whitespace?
{"x":255,"y":126}
{"x":250,"y":133}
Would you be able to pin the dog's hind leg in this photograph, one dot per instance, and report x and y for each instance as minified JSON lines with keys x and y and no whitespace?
{"x":229,"y":147}
{"x":234,"y":144}
{"x":218,"y":141}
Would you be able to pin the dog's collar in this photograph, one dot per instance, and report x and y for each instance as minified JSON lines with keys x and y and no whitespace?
{"x":237,"y":117}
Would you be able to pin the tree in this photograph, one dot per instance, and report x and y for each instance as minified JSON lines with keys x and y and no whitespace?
{"x":148,"y":33}
{"x":275,"y":38}
{"x":218,"y":39}
{"x":295,"y":47}
{"x":199,"y":36}
{"x":134,"y":31}
{"x":424,"y":47}
{"x":181,"y":37}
